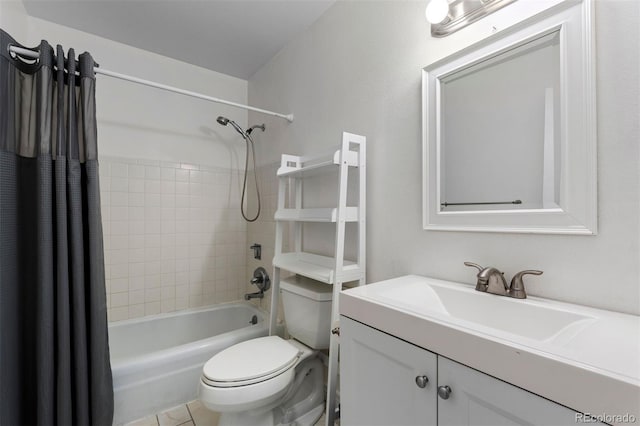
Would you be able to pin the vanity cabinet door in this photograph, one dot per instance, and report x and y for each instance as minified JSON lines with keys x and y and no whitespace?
{"x":478,"y":399}
{"x":384,"y":380}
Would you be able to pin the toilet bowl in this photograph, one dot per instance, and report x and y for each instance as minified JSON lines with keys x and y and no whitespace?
{"x":264,"y":381}
{"x":269,"y":380}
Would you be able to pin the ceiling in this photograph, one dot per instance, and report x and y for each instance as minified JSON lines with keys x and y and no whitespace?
{"x":234,"y":37}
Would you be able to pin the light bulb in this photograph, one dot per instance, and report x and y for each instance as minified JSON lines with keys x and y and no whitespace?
{"x":437,"y":11}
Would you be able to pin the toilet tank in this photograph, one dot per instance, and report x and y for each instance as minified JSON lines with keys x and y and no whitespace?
{"x":307,"y":310}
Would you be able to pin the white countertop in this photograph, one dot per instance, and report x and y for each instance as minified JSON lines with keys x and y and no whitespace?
{"x":592,"y":366}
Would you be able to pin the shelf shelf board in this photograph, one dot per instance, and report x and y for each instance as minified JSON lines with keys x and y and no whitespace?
{"x":315,"y":215}
{"x":319,"y":268}
{"x":293,"y":166}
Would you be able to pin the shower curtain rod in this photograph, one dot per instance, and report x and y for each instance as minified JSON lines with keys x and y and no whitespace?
{"x":35,"y":55}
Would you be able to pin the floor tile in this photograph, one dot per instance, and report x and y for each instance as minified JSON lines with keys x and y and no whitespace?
{"x":146,"y":421}
{"x":201,"y":415}
{"x":174,"y":416}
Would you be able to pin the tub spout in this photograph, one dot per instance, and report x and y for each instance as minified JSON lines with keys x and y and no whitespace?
{"x":256,"y":295}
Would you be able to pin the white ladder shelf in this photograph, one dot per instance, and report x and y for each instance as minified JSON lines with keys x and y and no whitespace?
{"x":334,"y":270}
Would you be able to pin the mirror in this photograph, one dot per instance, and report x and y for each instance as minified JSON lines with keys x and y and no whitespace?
{"x":503,"y":155}
{"x":509,"y":130}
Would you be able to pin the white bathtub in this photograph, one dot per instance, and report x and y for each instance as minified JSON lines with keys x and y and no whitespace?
{"x":157,"y":360}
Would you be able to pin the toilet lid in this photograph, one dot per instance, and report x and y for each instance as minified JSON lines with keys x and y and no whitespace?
{"x":251,"y":359}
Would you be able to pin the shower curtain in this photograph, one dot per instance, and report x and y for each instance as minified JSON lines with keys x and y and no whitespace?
{"x":54,"y":353}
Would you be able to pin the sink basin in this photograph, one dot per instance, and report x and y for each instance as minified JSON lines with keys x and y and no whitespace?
{"x":529,"y":318}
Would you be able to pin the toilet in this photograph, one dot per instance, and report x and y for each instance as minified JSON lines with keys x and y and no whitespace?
{"x":271,"y":381}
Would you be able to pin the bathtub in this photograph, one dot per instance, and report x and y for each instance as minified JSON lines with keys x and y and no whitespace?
{"x":157,"y":360}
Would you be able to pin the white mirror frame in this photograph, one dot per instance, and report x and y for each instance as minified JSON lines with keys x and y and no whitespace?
{"x":578,"y":176}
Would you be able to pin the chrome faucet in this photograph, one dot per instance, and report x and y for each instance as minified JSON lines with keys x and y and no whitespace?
{"x":491,"y":280}
{"x":261,"y":280}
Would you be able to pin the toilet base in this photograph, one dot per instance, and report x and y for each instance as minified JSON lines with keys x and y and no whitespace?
{"x":267,"y":419}
{"x":310,"y":418}
{"x":302,"y":406}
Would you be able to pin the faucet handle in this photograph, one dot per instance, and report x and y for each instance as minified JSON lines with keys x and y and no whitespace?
{"x":516,"y":289}
{"x":475,"y":265}
{"x":480,"y":285}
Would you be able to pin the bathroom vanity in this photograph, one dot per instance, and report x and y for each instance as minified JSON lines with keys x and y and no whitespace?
{"x":416,"y":350}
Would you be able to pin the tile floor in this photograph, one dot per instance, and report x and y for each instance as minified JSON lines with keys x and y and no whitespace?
{"x":190,"y":414}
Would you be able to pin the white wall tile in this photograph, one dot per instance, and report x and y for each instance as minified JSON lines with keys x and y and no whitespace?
{"x":136,"y":297}
{"x":136,"y":283}
{"x":182,"y":175}
{"x":118,"y":314}
{"x":152,"y":200}
{"x":182,"y":277}
{"x":168,"y":266}
{"x":168,"y":173}
{"x":119,"y":198}
{"x":119,"y":213}
{"x":119,"y":271}
{"x":168,"y":305}
{"x":136,"y":171}
{"x":182,"y":188}
{"x":168,"y":200}
{"x":136,"y":185}
{"x":152,"y":214}
{"x":152,"y":295}
{"x":163,"y":224}
{"x":135,"y":199}
{"x":136,"y":213}
{"x":151,"y":280}
{"x":119,"y":169}
{"x":182,"y":303}
{"x":152,"y":308}
{"x":119,"y":256}
{"x":167,"y":227}
{"x":168,"y":187}
{"x":136,"y":256}
{"x":136,"y":311}
{"x":119,"y":184}
{"x":152,"y":253}
{"x":152,"y":186}
{"x":118,"y":241}
{"x":152,"y":172}
{"x":168,"y":292}
{"x":118,"y":285}
{"x":152,"y":227}
{"x":136,"y":227}
{"x":119,"y":299}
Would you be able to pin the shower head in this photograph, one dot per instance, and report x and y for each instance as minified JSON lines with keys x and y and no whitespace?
{"x":224,"y":121}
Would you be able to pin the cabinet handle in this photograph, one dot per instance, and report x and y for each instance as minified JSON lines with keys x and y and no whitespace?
{"x":444,"y":392}
{"x":422,"y":381}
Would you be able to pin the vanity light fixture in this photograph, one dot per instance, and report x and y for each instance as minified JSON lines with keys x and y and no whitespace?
{"x":449,"y":16}
{"x":437,"y":11}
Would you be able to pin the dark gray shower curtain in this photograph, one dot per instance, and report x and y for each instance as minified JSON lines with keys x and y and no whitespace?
{"x":54,"y":353}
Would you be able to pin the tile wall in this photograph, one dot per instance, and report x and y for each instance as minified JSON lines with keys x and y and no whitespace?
{"x":173,"y":236}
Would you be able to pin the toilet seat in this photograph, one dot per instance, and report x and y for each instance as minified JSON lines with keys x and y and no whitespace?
{"x":250,"y":362}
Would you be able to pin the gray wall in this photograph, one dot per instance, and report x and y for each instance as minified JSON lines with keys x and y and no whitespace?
{"x":358,"y":69}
